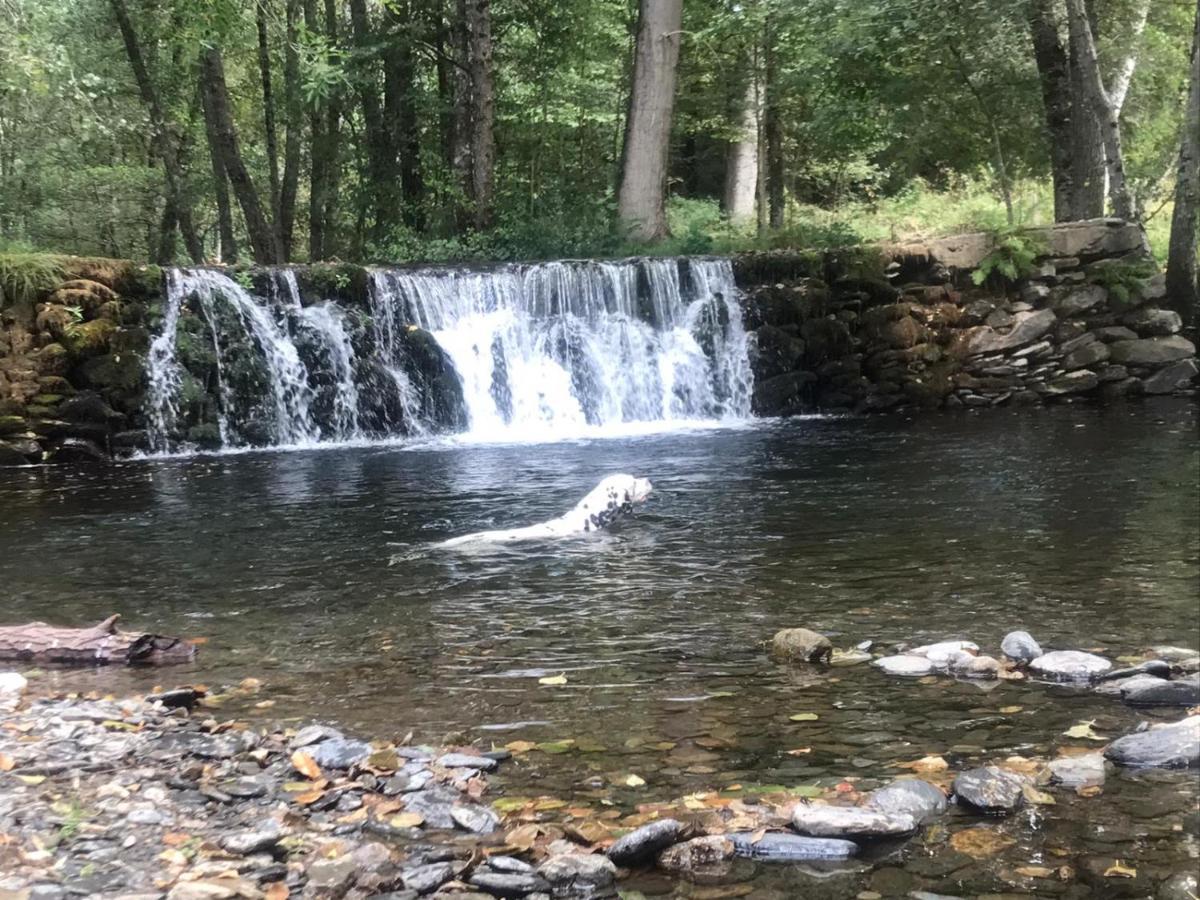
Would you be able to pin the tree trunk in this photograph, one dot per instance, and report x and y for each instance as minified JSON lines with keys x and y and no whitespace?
{"x":285,"y":223}
{"x":773,"y":133}
{"x":1088,"y":178}
{"x":102,"y":644}
{"x":165,"y":144}
{"x":741,"y":158}
{"x":1183,"y":274}
{"x":381,"y":153}
{"x":1105,"y":110}
{"x":460,"y":162}
{"x":642,"y":198}
{"x":483,"y":111}
{"x":400,"y":111}
{"x":1054,"y":73}
{"x":227,"y":250}
{"x":264,"y":72}
{"x":165,"y":254}
{"x":1124,"y":74}
{"x":216,"y":99}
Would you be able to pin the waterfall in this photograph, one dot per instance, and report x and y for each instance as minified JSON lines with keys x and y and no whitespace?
{"x":518,"y":352}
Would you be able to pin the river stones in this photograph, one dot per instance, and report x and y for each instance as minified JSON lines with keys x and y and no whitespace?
{"x":1157,"y":667}
{"x":507,"y":884}
{"x":314,"y":734}
{"x":904,"y":664}
{"x":990,"y":789}
{"x":475,"y":819}
{"x":849,"y":657}
{"x":1020,"y":647}
{"x":1070,"y":665}
{"x":428,"y":878}
{"x":1174,"y":745}
{"x":1077,"y":771}
{"x":821,"y":820}
{"x":698,"y":854}
{"x":913,"y":797}
{"x":582,"y":875}
{"x":775,"y":847}
{"x":338,"y":753}
{"x":243,"y":843}
{"x":434,"y":803}
{"x":466,"y":761}
{"x":801,"y":645}
{"x":981,"y":667}
{"x":1175,"y":654}
{"x":1159,"y":692}
{"x":642,"y":843}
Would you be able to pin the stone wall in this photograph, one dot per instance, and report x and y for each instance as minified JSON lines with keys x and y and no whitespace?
{"x":890,"y":327}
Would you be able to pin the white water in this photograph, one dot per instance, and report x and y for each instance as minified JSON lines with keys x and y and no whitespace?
{"x":543,"y":351}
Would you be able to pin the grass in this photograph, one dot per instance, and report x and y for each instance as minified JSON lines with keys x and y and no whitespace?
{"x":24,"y":274}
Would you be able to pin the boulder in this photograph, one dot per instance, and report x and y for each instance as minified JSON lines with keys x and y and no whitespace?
{"x":821,"y":820}
{"x":643,"y":843}
{"x":78,"y":450}
{"x":1174,"y":745}
{"x":777,"y":847}
{"x":1152,"y":322}
{"x":1077,"y":771}
{"x":1070,"y":665}
{"x":943,"y":653}
{"x":697,"y":855}
{"x":1080,"y":299}
{"x":1159,"y":692}
{"x":1087,"y":355}
{"x":1175,"y":377}
{"x":1076,"y":382}
{"x":1030,"y":326}
{"x":1111,"y":333}
{"x":920,"y":800}
{"x":801,"y":645}
{"x":579,"y":875}
{"x":1019,"y":646}
{"x":11,"y":454}
{"x":990,"y":789}
{"x":905,"y":664}
{"x":782,"y":395}
{"x":1156,"y":351}
{"x":775,"y":352}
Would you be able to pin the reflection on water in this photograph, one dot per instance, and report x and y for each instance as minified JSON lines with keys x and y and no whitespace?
{"x":1078,"y":524}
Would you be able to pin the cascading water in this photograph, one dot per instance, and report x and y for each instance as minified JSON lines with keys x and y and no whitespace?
{"x":519,"y":352}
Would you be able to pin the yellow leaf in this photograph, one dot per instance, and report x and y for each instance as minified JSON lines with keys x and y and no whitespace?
{"x":519,"y":746}
{"x":804,"y":717}
{"x":264,"y":704}
{"x":548,"y":804}
{"x":1120,"y":870}
{"x":800,"y":751}
{"x":310,"y":797}
{"x":1035,"y":871}
{"x":553,"y":679}
{"x":6,"y":762}
{"x":32,"y":779}
{"x":406,"y":820}
{"x":1089,"y":790}
{"x":523,"y":838}
{"x":1083,"y":730}
{"x":306,"y":765}
{"x":1009,"y":710}
{"x":925,"y":764}
{"x":635,"y":781}
{"x":980,"y":843}
{"x":1039,"y":798}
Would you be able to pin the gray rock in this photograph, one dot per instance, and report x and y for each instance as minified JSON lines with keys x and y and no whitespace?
{"x":1080,"y":299}
{"x":466,"y":761}
{"x":1070,"y":665}
{"x":1152,"y":351}
{"x":475,"y":819}
{"x":801,"y":645}
{"x":1019,"y":646}
{"x":428,"y":878}
{"x":582,"y":875}
{"x":1076,"y":343}
{"x":1180,"y":886}
{"x":1159,"y":668}
{"x":1175,"y":654}
{"x":314,"y":734}
{"x":820,"y":820}
{"x":1111,"y":333}
{"x":990,"y":789}
{"x":243,"y":843}
{"x":1086,"y":356}
{"x":1077,"y":771}
{"x":145,"y":816}
{"x":941,"y":653}
{"x":775,"y":847}
{"x":1111,"y":373}
{"x":1175,"y":745}
{"x":697,"y":855}
{"x":332,"y":876}
{"x":905,"y":664}
{"x":434,"y":802}
{"x":981,"y":667}
{"x":644,"y":842}
{"x":1174,"y":377}
{"x":1151,"y":321}
{"x":1180,"y":692}
{"x":1077,"y":382}
{"x":508,"y":884}
{"x":1029,"y":327}
{"x":338,"y":753}
{"x":850,"y":658}
{"x":509,"y":864}
{"x":920,"y":800}
{"x":1118,"y":686}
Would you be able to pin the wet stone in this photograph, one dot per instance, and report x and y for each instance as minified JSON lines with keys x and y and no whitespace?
{"x":427,"y":878}
{"x":1180,"y":692}
{"x":913,"y":797}
{"x":1070,"y":665}
{"x":773,"y":847}
{"x":1116,"y":687}
{"x":509,"y":864}
{"x":339,"y":753}
{"x":990,"y":789}
{"x":1180,"y":886}
{"x":466,"y":761}
{"x":245,"y":788}
{"x":579,"y":875}
{"x":1157,"y":667}
{"x":820,"y":820}
{"x":697,"y":855}
{"x":1077,"y":771}
{"x":247,"y":842}
{"x":314,"y":734}
{"x":506,"y":884}
{"x":905,"y":664}
{"x":801,"y":645}
{"x":1172,"y":746}
{"x":643,"y":843}
{"x":435,"y":804}
{"x":475,"y":819}
{"x":1019,"y":646}
{"x":332,"y":875}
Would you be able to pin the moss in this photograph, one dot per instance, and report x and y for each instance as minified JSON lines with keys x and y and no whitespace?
{"x":47,"y":400}
{"x":117,"y":372}
{"x":12,"y":424}
{"x":206,"y":436}
{"x":88,"y":338}
{"x":335,"y":281}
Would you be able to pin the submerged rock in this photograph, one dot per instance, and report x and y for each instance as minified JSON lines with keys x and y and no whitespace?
{"x":697,"y":854}
{"x":990,"y":789}
{"x":428,"y":878}
{"x":1019,"y":646}
{"x":905,"y":664}
{"x":801,"y":645}
{"x":642,"y":843}
{"x":911,"y":797}
{"x":1175,"y":654}
{"x":475,"y":819}
{"x":579,"y":875}
{"x":466,"y":761}
{"x":821,"y":820}
{"x":943,"y":652}
{"x":776,"y":847}
{"x":1159,"y":692}
{"x":1156,"y":667}
{"x":1070,"y":665}
{"x":508,"y":884}
{"x":1174,"y":745}
{"x":1077,"y":771}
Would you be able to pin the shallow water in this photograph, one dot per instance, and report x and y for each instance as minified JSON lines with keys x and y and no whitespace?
{"x":313,"y":571}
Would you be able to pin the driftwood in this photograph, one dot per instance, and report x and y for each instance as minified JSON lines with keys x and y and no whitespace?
{"x":103,"y":644}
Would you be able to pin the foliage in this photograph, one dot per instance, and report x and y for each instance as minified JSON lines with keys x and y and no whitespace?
{"x":25,"y":275}
{"x":1124,"y":281}
{"x":1012,"y":257}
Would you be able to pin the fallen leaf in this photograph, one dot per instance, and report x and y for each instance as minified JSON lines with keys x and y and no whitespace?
{"x":925,"y":764}
{"x":1036,"y":797}
{"x":510,"y":804}
{"x":520,"y":746}
{"x":6,"y":762}
{"x":553,"y":679}
{"x":799,"y":751}
{"x":264,"y":704}
{"x":310,"y":797}
{"x":406,"y":820}
{"x":1009,"y":710}
{"x":1035,"y":871}
{"x":1089,"y":790}
{"x":804,"y":717}
{"x":556,"y":746}
{"x":758,"y":835}
{"x":306,"y":765}
{"x":1120,"y":870}
{"x":979,"y":843}
{"x":277,"y":891}
{"x":32,"y":779}
{"x":1084,"y":730}
{"x":549,"y":803}
{"x":635,"y":781}
{"x":523,"y":838}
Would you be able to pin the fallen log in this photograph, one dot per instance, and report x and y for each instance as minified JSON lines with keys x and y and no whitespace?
{"x":102,"y":644}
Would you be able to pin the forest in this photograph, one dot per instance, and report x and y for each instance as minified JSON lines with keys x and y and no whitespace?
{"x":410,"y":130}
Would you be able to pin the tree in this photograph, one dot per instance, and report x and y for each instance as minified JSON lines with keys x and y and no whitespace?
{"x":741,"y":155}
{"x":483,"y":110}
{"x":1183,"y":274}
{"x":641,"y":199}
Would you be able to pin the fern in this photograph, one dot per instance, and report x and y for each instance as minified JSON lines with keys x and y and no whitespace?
{"x":1012,"y":258}
{"x":1123,"y":281}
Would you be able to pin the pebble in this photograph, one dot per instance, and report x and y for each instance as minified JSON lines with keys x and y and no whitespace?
{"x":774,"y":847}
{"x":819,"y":820}
{"x":990,"y":789}
{"x":905,"y":664}
{"x":339,"y":753}
{"x":1070,"y":665}
{"x":913,"y":797}
{"x":1173,"y":745}
{"x":644,"y":842}
{"x":1019,"y":646}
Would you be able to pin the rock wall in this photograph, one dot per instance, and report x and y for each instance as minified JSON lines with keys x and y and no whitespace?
{"x":884,"y":328}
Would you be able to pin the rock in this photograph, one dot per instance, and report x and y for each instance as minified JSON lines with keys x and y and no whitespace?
{"x":12,"y":684}
{"x":1034,"y":293}
{"x":849,"y":657}
{"x":1080,"y":299}
{"x":782,"y":395}
{"x":990,"y":789}
{"x":1070,"y":665}
{"x":332,"y":876}
{"x":1019,"y":646}
{"x":314,"y":734}
{"x":1180,"y":692}
{"x":905,"y":664}
{"x":582,"y":875}
{"x":475,"y":819}
{"x":1175,"y":654}
{"x":12,"y":454}
{"x":339,"y":753}
{"x":1174,"y":377}
{"x":428,"y":878}
{"x":1151,"y":321}
{"x":1159,"y":668}
{"x":820,"y":820}
{"x":1076,"y":382}
{"x":1111,"y":373}
{"x":801,"y":645}
{"x":1087,"y":355}
{"x":697,"y":854}
{"x":982,"y":667}
{"x":1152,"y":351}
{"x":1174,"y":745}
{"x":1117,"y":687}
{"x":1077,"y":771}
{"x":466,"y":761}
{"x":920,"y":800}
{"x":74,"y":450}
{"x":1111,"y":333}
{"x":943,"y":653}
{"x":1180,"y":886}
{"x":216,"y":889}
{"x":1030,"y":326}
{"x":508,"y":884}
{"x":435,"y":803}
{"x":775,"y":847}
{"x":643,"y":843}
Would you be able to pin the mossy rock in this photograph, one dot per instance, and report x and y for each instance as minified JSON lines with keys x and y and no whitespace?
{"x":130,"y":338}
{"x":206,"y":436}
{"x":120,"y":372}
{"x":12,"y":424}
{"x":801,"y":645}
{"x":825,"y":339}
{"x":47,"y":400}
{"x":52,"y":359}
{"x":56,"y":384}
{"x":89,"y":338}
{"x":54,"y":320}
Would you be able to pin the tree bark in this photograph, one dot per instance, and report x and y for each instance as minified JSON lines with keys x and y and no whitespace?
{"x":285,"y":223}
{"x":642,"y":197}
{"x":165,"y":143}
{"x":1088,"y":177}
{"x":483,"y":111}
{"x":773,"y":132}
{"x":102,"y":644}
{"x":264,"y":73}
{"x":400,"y":111}
{"x":216,"y":99}
{"x":227,"y":250}
{"x":1124,"y":74}
{"x":1054,"y":74}
{"x":381,"y":153}
{"x":460,"y":139}
{"x":741,"y":157}
{"x":1105,"y":110}
{"x":165,"y":254}
{"x":1183,"y":274}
